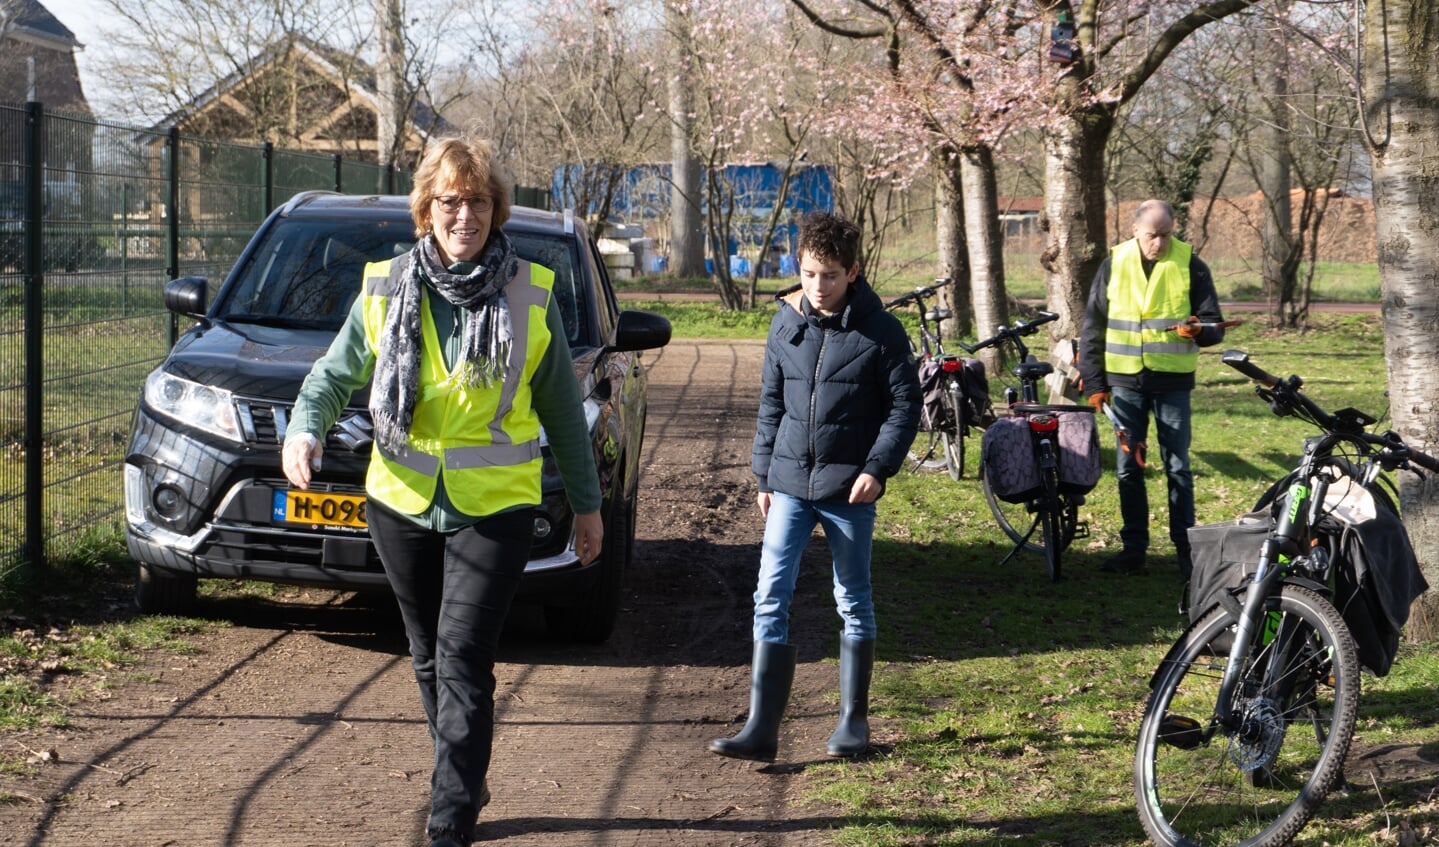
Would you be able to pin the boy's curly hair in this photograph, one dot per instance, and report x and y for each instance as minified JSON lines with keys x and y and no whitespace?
{"x":829,"y":237}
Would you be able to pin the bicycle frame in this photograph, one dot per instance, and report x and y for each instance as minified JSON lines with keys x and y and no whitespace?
{"x":1270,"y":655}
{"x":1052,"y":512}
{"x":1279,"y":561}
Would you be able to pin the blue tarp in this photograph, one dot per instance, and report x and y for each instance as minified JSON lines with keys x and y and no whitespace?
{"x":644,"y":194}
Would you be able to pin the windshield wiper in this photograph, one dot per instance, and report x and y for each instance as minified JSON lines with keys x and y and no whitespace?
{"x":272,"y":320}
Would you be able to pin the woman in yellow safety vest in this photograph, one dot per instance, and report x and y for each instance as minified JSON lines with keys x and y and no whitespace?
{"x":468,"y":356}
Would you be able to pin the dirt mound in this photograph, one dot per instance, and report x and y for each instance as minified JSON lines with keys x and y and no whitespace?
{"x":1229,"y":227}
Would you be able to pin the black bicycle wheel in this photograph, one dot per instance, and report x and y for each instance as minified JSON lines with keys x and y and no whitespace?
{"x":928,"y":453}
{"x":952,"y":433}
{"x":1258,"y":785}
{"x":1021,"y":520}
{"x":1049,"y":520}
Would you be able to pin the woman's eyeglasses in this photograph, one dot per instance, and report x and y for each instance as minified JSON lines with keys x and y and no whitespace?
{"x":478,"y":204}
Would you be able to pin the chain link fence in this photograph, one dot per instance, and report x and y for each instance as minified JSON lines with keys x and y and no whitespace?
{"x":95,"y":218}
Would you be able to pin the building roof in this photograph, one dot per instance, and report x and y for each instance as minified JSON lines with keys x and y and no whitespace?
{"x":336,"y":64}
{"x":31,"y":18}
{"x":1020,"y":205}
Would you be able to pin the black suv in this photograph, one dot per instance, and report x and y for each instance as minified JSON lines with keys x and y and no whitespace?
{"x":204,"y":492}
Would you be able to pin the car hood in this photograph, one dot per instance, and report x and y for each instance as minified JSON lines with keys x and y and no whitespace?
{"x":252,"y":360}
{"x":271,"y":362}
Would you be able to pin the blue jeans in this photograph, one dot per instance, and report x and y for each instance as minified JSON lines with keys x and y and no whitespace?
{"x":1172,"y":426}
{"x":454,"y":591}
{"x":849,"y":529}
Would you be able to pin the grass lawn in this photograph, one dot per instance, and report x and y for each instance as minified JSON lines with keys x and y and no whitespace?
{"x":1008,"y":705}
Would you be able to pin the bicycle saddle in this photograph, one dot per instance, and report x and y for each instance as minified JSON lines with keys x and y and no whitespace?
{"x":1033,"y":370}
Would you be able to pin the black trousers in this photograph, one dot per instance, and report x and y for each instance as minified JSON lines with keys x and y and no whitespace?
{"x":454,"y":591}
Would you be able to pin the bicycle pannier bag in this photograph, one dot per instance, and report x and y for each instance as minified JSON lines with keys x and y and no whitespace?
{"x":975,"y":386}
{"x":931,"y":387}
{"x":1009,"y":462}
{"x":1079,"y":462}
{"x":1223,"y":554}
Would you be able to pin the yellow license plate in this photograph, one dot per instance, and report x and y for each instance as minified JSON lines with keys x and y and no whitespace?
{"x":319,"y":508}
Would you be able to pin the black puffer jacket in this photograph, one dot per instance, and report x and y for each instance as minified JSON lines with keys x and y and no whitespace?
{"x":840,"y":397}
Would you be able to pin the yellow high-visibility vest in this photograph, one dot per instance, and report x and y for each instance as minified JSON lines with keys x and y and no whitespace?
{"x":1141,"y":310}
{"x":485,"y":440}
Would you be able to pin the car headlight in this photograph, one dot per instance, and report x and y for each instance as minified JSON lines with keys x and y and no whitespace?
{"x":190,"y":403}
{"x":592,"y":416}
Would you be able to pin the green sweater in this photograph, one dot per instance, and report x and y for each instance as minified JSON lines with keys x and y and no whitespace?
{"x":350,"y":362}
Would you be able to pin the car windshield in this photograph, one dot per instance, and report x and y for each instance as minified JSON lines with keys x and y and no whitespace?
{"x":306,"y":273}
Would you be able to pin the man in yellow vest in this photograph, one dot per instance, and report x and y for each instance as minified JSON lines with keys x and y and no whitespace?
{"x":1151,"y":308}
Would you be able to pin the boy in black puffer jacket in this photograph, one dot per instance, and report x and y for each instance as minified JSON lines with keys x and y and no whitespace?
{"x":839,"y":409}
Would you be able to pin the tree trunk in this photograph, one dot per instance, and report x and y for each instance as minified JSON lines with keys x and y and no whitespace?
{"x":1073,"y":217}
{"x":985,"y":239}
{"x":1278,"y":271}
{"x":1401,"y":81}
{"x":687,"y":236}
{"x":953,"y":257}
{"x":389,"y":82}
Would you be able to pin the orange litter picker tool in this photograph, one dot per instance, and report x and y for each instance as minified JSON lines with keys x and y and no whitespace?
{"x":1133,"y":448}
{"x":1206,"y":325}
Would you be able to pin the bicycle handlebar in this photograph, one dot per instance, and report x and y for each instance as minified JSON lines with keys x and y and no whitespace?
{"x":1284,"y":396}
{"x":1239,"y":360}
{"x":1007,"y":333}
{"x":919,"y":293}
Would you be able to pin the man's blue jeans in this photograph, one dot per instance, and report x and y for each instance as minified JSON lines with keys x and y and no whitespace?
{"x":1172,"y":427}
{"x":849,"y":529}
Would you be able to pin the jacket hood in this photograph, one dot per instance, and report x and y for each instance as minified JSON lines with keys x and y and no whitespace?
{"x":862,"y":301}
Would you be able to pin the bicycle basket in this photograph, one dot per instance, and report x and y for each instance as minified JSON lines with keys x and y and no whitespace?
{"x":1224,"y":554}
{"x":931,"y":389}
{"x":974,"y":384}
{"x":1010,"y":466}
{"x":1079,"y":459}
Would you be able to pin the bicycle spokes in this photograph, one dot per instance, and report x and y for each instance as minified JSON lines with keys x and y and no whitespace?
{"x":1256,"y":781}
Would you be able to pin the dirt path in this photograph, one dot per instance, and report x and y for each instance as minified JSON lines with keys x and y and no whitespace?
{"x":299,"y":724}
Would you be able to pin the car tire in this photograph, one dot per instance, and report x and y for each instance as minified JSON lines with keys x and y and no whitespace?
{"x":160,"y":592}
{"x":592,"y":619}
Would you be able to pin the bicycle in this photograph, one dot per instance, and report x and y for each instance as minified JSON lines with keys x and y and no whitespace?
{"x":1271,"y":668}
{"x":957,"y":407}
{"x":1028,"y":488}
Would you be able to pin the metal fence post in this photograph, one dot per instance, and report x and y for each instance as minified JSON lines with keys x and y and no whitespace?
{"x":125,"y":247}
{"x":34,"y":154}
{"x":267,"y":153}
{"x":172,"y":249}
{"x":339,"y":160}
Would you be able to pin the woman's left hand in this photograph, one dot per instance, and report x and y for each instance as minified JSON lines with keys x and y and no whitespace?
{"x":589,"y":536}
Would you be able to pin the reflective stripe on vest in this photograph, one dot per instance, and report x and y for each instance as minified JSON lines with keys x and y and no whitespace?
{"x":1141,"y":310}
{"x":485,"y":440}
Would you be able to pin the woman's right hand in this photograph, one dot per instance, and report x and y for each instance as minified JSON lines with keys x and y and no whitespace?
{"x":300,"y":457}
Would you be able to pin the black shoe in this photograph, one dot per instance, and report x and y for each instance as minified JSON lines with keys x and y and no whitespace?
{"x":484,"y":794}
{"x":1126,"y":561}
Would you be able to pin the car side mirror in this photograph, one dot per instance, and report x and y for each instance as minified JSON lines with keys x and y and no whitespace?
{"x":637,"y":329}
{"x":188,"y":296}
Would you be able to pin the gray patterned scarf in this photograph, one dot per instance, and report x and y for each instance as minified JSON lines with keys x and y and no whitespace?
{"x":484,"y":350}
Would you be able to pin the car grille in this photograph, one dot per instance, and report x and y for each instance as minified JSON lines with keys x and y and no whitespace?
{"x":264,"y":422}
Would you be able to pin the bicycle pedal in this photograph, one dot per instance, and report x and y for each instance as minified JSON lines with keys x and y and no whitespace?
{"x":1181,"y":731}
{"x":1081,"y":529}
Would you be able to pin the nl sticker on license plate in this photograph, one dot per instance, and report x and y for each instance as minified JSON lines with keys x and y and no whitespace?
{"x":319,"y":508}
